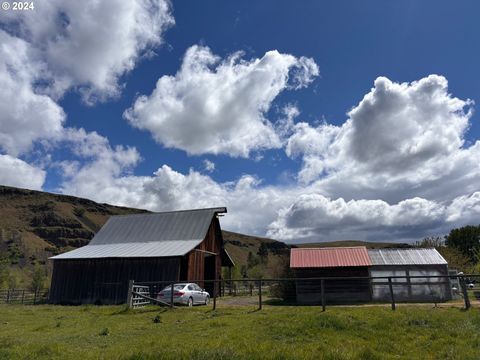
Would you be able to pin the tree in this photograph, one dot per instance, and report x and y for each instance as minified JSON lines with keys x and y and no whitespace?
{"x":466,"y":239}
{"x":243,"y":271}
{"x":256,"y":272}
{"x":4,"y":273}
{"x":252,"y":260}
{"x":456,"y":259}
{"x":431,"y":242}
{"x":235,"y":272}
{"x":12,"y":281}
{"x":476,"y":255}
{"x":38,"y":279}
{"x":78,"y":211}
{"x":285,"y":289}
{"x":3,"y":261}
{"x":263,"y":251}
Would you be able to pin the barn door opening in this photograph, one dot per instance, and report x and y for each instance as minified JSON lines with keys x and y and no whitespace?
{"x":209,"y":273}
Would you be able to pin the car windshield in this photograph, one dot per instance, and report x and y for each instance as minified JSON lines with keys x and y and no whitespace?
{"x":175,"y":287}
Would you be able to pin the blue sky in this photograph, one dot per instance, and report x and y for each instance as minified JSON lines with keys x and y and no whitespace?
{"x":352,"y":44}
{"x":83,"y":113}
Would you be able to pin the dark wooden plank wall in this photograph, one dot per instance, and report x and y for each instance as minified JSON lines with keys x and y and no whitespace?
{"x":105,"y":281}
{"x":197,"y":260}
{"x":344,"y":291}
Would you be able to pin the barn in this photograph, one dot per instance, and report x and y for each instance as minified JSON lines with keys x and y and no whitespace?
{"x":169,"y":246}
{"x":344,"y":263}
{"x":410,"y":262}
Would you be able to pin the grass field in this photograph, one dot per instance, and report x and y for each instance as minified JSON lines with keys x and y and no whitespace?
{"x":276,"y":332}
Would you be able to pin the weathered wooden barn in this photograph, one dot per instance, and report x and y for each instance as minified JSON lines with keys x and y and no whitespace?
{"x":169,"y":246}
{"x":345,"y":264}
{"x":410,"y":263}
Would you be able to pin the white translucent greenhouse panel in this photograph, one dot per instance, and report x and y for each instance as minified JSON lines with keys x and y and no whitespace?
{"x":413,"y":289}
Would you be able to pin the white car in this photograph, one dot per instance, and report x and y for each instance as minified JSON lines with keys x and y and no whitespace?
{"x":471,"y":285}
{"x":184,"y":293}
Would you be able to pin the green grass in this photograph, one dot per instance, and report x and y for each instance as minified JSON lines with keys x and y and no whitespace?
{"x":276,"y":332}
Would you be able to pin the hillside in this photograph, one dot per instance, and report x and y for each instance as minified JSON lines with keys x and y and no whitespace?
{"x":344,"y":243}
{"x":35,"y":225}
{"x":239,"y":247}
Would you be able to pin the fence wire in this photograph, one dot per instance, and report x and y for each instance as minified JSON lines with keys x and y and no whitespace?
{"x":452,"y":290}
{"x":24,"y":296}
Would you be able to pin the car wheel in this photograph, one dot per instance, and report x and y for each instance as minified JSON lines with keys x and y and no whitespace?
{"x":190,"y":302}
{"x":207,"y":299}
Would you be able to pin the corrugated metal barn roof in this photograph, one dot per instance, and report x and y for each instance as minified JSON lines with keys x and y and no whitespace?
{"x":329,"y":257}
{"x":148,"y":235}
{"x":133,"y":249}
{"x":406,"y":257}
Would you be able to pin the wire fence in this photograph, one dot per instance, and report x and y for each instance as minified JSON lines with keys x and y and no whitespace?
{"x":452,"y":290}
{"x":24,"y":296}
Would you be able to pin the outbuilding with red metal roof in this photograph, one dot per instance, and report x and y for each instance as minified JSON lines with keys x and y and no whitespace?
{"x":342,"y":266}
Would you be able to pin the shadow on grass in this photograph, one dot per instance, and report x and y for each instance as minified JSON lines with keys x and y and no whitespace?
{"x":281,"y":302}
{"x":293,"y":302}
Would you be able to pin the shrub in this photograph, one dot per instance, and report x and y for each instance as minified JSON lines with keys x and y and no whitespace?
{"x":284,"y":290}
{"x":104,"y":332}
{"x":77,"y":211}
{"x":38,"y":279}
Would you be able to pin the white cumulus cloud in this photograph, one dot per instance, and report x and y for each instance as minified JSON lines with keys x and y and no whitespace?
{"x":400,"y":141}
{"x":96,"y":164}
{"x":208,"y":165}
{"x":16,"y":172}
{"x":219,"y":106}
{"x":315,"y":216}
{"x":465,"y":209}
{"x":251,"y":206}
{"x":25,"y":116}
{"x":290,"y":213}
{"x":90,"y":44}
{"x":86,"y":46}
{"x":347,"y":189}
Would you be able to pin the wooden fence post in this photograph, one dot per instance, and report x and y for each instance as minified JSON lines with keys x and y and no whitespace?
{"x":391,"y":292}
{"x":23,"y":295}
{"x":35,"y":297}
{"x":463,"y":285}
{"x":260,"y":295}
{"x":322,"y":287}
{"x":8,"y":296}
{"x":171,"y":294}
{"x":214,"y":294}
{"x":130,"y":294}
